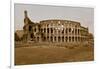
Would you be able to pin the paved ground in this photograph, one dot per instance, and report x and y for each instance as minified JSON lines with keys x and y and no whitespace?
{"x":41,"y":55}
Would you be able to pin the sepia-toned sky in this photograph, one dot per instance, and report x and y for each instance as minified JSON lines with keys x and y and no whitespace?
{"x":42,"y":12}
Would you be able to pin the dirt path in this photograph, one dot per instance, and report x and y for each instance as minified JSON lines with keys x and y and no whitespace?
{"x":34,"y":55}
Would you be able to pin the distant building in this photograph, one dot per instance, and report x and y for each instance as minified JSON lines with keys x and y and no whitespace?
{"x":54,"y":30}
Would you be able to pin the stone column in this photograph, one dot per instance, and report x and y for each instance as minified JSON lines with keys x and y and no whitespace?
{"x":64,"y":34}
{"x":57,"y":35}
{"x":68,"y":33}
{"x":77,"y":34}
{"x":74,"y":33}
{"x":49,"y":35}
{"x":71,"y":33}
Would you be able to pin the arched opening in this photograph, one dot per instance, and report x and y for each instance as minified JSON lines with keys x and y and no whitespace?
{"x":37,"y":38}
{"x":47,"y":38}
{"x":30,"y":28}
{"x":47,"y":30}
{"x":51,"y":30}
{"x":44,"y":39}
{"x":73,"y":39}
{"x":75,"y":31}
{"x":66,"y":38}
{"x":69,"y":29}
{"x":35,"y":30}
{"x":32,"y":35}
{"x":78,"y":31}
{"x":63,"y":39}
{"x":59,"y":39}
{"x":63,"y":31}
{"x":76,"y":39}
{"x":44,"y":30}
{"x":51,"y":39}
{"x":55,"y":38}
{"x":69,"y":39}
{"x":66,"y":30}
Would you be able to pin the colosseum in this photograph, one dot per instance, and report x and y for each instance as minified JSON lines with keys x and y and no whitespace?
{"x":54,"y":31}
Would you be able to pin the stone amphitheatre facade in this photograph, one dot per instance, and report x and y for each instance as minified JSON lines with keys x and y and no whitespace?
{"x":54,"y":31}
